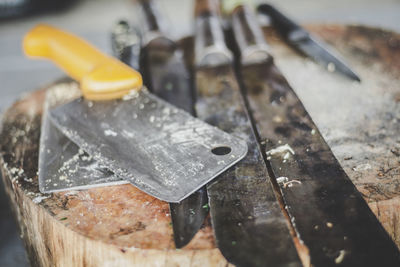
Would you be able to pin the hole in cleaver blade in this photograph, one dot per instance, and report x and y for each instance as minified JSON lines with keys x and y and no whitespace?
{"x":158,"y":148}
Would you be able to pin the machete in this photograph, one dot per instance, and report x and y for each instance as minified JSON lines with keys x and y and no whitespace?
{"x":307,"y":44}
{"x":167,"y":76}
{"x":249,"y":226}
{"x":328,"y":213}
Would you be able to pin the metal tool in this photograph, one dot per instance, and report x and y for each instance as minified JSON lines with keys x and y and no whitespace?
{"x":329,"y":215}
{"x":160,"y":149}
{"x":167,"y":76}
{"x":249,"y":226}
{"x":62,"y":164}
{"x":307,"y":44}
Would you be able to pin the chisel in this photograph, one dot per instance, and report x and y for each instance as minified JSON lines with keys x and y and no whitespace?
{"x":249,"y":226}
{"x":168,"y":77}
{"x":329,"y":215}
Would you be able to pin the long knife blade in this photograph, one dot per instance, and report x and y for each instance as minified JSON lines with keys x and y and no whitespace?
{"x":304,"y":42}
{"x":248,"y":223}
{"x":168,"y":77}
{"x":328,"y":213}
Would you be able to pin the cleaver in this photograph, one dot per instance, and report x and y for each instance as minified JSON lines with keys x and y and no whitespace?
{"x":62,"y":164}
{"x":160,"y":149}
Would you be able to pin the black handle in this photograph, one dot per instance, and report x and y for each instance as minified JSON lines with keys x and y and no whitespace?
{"x":285,"y":26}
{"x":126,"y":43}
{"x":152,"y":20}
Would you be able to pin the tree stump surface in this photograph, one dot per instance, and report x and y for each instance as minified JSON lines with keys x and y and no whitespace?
{"x":122,"y":226}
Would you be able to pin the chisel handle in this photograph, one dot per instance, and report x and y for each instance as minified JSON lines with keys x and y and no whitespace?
{"x":126,"y":43}
{"x":101,"y":77}
{"x":249,"y":36}
{"x":210,"y":47}
{"x":288,"y":28}
{"x":152,"y":19}
{"x":153,"y":23}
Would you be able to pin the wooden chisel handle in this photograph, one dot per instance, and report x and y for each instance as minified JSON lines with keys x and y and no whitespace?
{"x":249,"y":36}
{"x":210,"y":48}
{"x":203,"y":7}
{"x":153,"y":23}
{"x":101,"y":77}
{"x":151,"y":15}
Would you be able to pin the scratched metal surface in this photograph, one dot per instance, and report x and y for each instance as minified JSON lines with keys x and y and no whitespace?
{"x":328,"y":213}
{"x":359,"y":121}
{"x":168,"y":77}
{"x":158,"y":148}
{"x":249,"y":226}
{"x":62,"y":165}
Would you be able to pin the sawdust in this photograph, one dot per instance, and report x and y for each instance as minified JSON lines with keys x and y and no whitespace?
{"x":340,"y":257}
{"x":39,"y":199}
{"x":285,"y":151}
{"x":109,"y":132}
{"x":291,"y":183}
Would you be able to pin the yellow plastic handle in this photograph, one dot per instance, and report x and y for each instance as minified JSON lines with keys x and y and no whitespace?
{"x":101,"y":77}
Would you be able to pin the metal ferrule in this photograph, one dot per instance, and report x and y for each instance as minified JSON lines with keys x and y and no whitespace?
{"x":249,"y":37}
{"x":210,"y":48}
{"x":152,"y":22}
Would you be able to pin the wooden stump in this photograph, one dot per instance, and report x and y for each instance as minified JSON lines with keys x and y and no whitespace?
{"x":121,"y":226}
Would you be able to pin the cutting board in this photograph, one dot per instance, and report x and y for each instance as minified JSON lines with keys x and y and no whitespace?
{"x":122,"y":226}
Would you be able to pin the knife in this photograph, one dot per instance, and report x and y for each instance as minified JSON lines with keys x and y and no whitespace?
{"x":248,"y":223}
{"x":329,"y":215}
{"x":307,"y":44}
{"x":161,"y":149}
{"x":167,"y":76}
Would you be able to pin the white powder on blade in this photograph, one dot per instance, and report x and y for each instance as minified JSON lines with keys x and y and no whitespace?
{"x":280,"y":150}
{"x":109,"y":132}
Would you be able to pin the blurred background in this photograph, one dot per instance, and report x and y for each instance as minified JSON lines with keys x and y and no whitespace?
{"x":93,"y":19}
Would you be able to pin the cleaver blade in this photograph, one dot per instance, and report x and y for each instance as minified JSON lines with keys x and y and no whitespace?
{"x":62,"y":164}
{"x":158,"y":148}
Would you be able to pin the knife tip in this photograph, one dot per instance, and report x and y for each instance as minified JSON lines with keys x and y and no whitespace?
{"x":354,"y":77}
